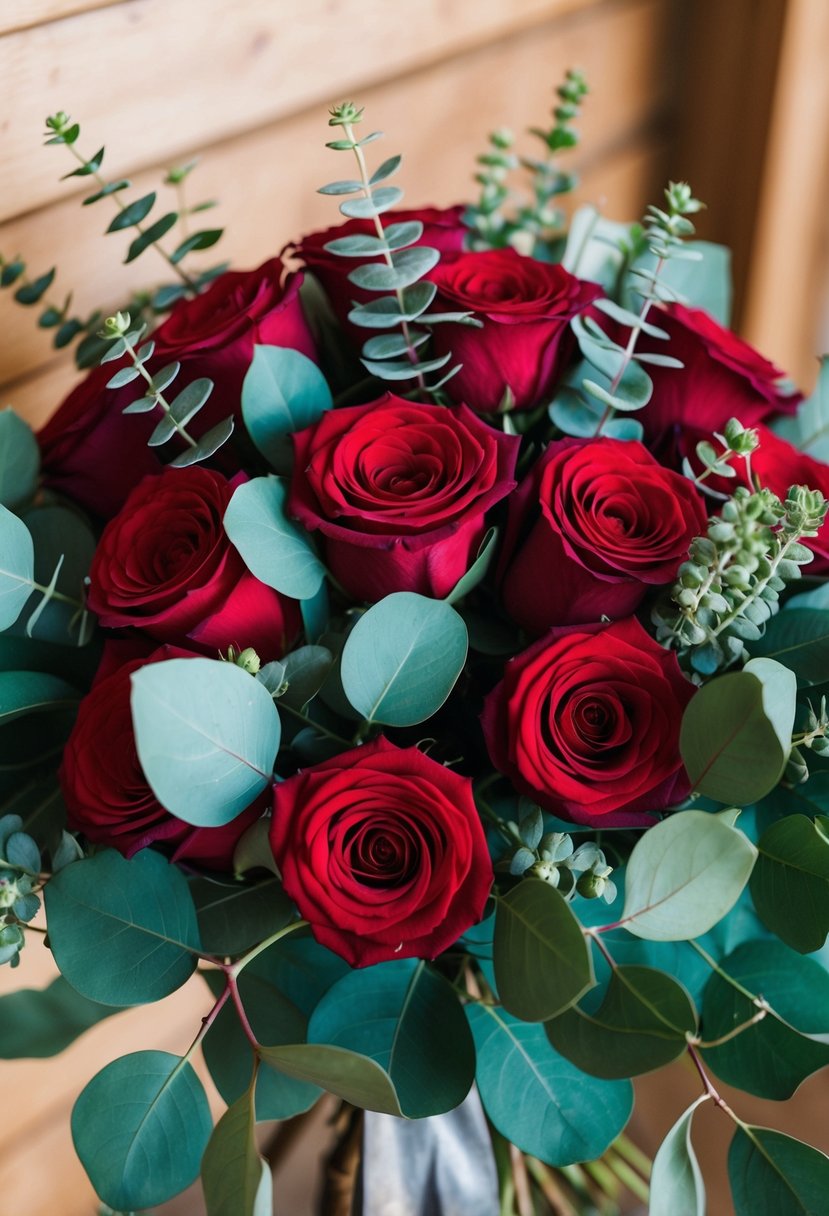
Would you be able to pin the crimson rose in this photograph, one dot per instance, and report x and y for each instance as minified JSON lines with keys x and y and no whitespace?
{"x":164,"y":564}
{"x":593,"y":526}
{"x":442,"y":230}
{"x":723,"y":377}
{"x":399,"y":491}
{"x":587,"y":722}
{"x":106,"y":793}
{"x":383,"y":852}
{"x":95,"y":455}
{"x":526,"y":308}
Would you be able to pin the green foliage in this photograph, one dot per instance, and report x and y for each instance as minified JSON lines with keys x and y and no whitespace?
{"x":17,"y":567}
{"x":641,"y":1025}
{"x":237,"y":1182}
{"x":784,"y":1040}
{"x":387,"y":1014}
{"x":403,"y":658}
{"x":808,"y":430}
{"x":283,"y":392}
{"x":776,"y":1175}
{"x":207,"y":735}
{"x":273,"y":548}
{"x":676,"y":1180}
{"x":19,"y":460}
{"x":798,"y":638}
{"x":790,"y":882}
{"x":542,"y":962}
{"x":355,"y":1078}
{"x":122,"y":932}
{"x":148,"y":1107}
{"x":737,"y":732}
{"x":41,"y":1022}
{"x":730,"y":587}
{"x":233,"y":918}
{"x":305,"y":671}
{"x":684,"y":876}
{"x":528,"y":1091}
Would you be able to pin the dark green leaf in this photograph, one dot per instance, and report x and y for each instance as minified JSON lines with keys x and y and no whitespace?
{"x":790,"y":883}
{"x":19,"y":459}
{"x":198,"y":240}
{"x":88,"y":167}
{"x":40,"y":1022}
{"x":154,"y":233}
{"x":236,"y":1180}
{"x":799,"y":639}
{"x":776,"y":1175}
{"x":140,"y":1128}
{"x":26,"y":692}
{"x":133,"y":213}
{"x":122,"y":932}
{"x":11,"y":272}
{"x":31,"y":293}
{"x":306,"y":670}
{"x":542,"y":962}
{"x":109,"y":188}
{"x":232,"y":919}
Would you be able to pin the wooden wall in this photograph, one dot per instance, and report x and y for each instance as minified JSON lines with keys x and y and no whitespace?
{"x":681,"y":89}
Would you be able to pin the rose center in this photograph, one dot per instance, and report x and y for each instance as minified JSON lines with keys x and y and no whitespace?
{"x":381,"y":856}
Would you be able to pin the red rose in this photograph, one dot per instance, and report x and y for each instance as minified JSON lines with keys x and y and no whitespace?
{"x":593,"y":527}
{"x":723,"y":377}
{"x":399,"y":492}
{"x":95,"y":455}
{"x":526,"y":308}
{"x":164,"y":564}
{"x":106,"y":793}
{"x":587,"y":722}
{"x":383,"y":852}
{"x":778,"y":465}
{"x":442,"y":230}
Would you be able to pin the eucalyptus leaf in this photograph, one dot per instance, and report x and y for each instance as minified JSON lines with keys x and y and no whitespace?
{"x":402,"y":659}
{"x":542,"y":962}
{"x":306,"y":671}
{"x":17,"y":566}
{"x":19,"y":459}
{"x":234,"y":918}
{"x":676,"y":1180}
{"x":479,"y":569}
{"x":408,"y":266}
{"x":41,"y":1022}
{"x":26,"y":692}
{"x":382,"y":199}
{"x":236,"y":1180}
{"x":207,"y":444}
{"x":207,"y":734}
{"x":790,"y":883}
{"x":133,"y":213}
{"x":122,"y":932}
{"x":799,"y":639}
{"x":283,"y":391}
{"x":775,"y":1175}
{"x":736,"y":732}
{"x":146,"y":1107}
{"x":684,"y":875}
{"x":273,"y":548}
{"x":389,"y":312}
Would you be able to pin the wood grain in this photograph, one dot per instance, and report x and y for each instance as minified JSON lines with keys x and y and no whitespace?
{"x":22,"y":14}
{"x":266,"y":180}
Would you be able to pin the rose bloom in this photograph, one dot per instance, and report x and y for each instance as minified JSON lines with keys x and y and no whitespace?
{"x":399,"y":492}
{"x":383,"y":852}
{"x":442,"y":230}
{"x":594,"y":526}
{"x":106,"y":793}
{"x":95,"y":454}
{"x":779,"y":465}
{"x":723,"y":377}
{"x":526,"y":308}
{"x":586,"y":722}
{"x":165,"y":565}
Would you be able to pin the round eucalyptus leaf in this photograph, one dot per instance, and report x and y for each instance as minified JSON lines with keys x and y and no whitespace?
{"x":790,"y":882}
{"x":122,"y":932}
{"x":283,"y":391}
{"x":275,"y":550}
{"x":207,"y":735}
{"x":736,"y":732}
{"x":41,"y":1022}
{"x":676,"y":1179}
{"x":17,"y":567}
{"x":356,"y":1078}
{"x":140,"y":1128}
{"x":684,"y":875}
{"x":537,"y":1099}
{"x":402,"y":658}
{"x":776,"y":1175}
{"x":542,"y":961}
{"x":19,"y":459}
{"x":799,"y":639}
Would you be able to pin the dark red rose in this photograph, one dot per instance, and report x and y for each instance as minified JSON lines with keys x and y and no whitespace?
{"x":399,"y":492}
{"x":106,"y":793}
{"x":164,"y":565}
{"x":526,"y":308}
{"x":593,"y":527}
{"x":778,"y":465}
{"x":383,"y":852}
{"x":587,"y":722}
{"x":95,"y":454}
{"x":442,"y":230}
{"x":723,"y":377}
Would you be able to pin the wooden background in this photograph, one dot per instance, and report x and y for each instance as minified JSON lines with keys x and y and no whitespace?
{"x":734,"y":97}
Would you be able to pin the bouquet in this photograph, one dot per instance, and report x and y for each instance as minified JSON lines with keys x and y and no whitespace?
{"x":420,"y":642}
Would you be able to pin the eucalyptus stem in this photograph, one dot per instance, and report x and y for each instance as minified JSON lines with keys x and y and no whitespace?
{"x":156,"y":393}
{"x":122,"y":206}
{"x":234,"y":969}
{"x":635,"y":331}
{"x":350,"y":134}
{"x":759,"y":587}
{"x":710,"y":1089}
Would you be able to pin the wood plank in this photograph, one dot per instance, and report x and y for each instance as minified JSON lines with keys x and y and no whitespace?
{"x":787,"y":281}
{"x":264,"y":205}
{"x":229,"y":67}
{"x":22,"y":14}
{"x":620,"y":185}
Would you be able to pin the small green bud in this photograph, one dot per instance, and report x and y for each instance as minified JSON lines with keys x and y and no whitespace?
{"x":739,"y":439}
{"x":248,"y":660}
{"x":546,"y":871}
{"x":502,"y":138}
{"x":9,"y":889}
{"x":345,"y":114}
{"x":117,"y":326}
{"x":590,"y":885}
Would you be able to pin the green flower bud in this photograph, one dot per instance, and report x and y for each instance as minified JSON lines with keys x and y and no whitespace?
{"x":248,"y":660}
{"x":346,"y":113}
{"x":591,"y":885}
{"x":546,"y":871}
{"x":9,"y":888}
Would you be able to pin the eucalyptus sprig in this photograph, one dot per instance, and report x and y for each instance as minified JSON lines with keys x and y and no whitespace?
{"x":730,"y":586}
{"x":60,"y":129}
{"x":618,"y":381}
{"x":124,"y":340}
{"x":403,"y":298}
{"x":736,"y":442}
